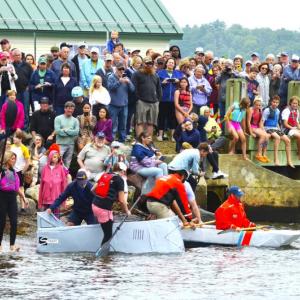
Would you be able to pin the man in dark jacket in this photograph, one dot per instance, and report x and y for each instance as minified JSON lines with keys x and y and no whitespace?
{"x":24,"y":71}
{"x":80,"y":58}
{"x":80,"y":191}
{"x":149,"y":93}
{"x":42,"y":121}
{"x":106,"y":70}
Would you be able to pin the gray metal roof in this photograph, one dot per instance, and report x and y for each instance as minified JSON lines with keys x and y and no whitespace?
{"x":129,"y":16}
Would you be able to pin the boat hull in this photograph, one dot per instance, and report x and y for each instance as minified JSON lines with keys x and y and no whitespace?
{"x":157,"y":236}
{"x":208,"y":235}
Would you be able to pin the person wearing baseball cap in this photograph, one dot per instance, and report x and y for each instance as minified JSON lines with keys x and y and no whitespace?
{"x":5,"y":45}
{"x":80,"y":58}
{"x":55,"y":52}
{"x":80,"y":190}
{"x":231,"y":214}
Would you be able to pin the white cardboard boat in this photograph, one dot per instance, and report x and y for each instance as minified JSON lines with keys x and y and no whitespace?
{"x":208,"y":235}
{"x":157,"y":236}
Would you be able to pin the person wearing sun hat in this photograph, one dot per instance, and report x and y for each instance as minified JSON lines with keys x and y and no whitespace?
{"x":80,"y":190}
{"x":231,"y":214}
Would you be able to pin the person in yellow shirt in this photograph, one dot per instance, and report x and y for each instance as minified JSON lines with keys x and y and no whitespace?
{"x":22,"y":159}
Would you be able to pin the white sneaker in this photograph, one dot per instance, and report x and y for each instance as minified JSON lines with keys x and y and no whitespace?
{"x":159,"y":138}
{"x":219,"y":175}
{"x":224,"y":175}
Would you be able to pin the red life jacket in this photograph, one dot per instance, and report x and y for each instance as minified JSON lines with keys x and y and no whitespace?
{"x":292,"y":120}
{"x":103,"y":185}
{"x":231,"y":214}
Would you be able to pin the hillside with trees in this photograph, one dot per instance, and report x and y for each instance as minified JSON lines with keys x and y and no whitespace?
{"x":229,"y":41}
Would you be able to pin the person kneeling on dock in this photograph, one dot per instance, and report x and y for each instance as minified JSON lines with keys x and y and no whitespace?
{"x":231,"y":214}
{"x":109,"y":188}
{"x":168,"y":196}
{"x":80,"y":191}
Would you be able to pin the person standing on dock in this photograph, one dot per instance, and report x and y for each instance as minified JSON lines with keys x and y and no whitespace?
{"x":231,"y":214}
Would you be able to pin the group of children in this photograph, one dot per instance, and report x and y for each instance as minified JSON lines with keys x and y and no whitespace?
{"x":264,"y":124}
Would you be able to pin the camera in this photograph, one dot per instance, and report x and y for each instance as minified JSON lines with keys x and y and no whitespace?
{"x":86,"y":114}
{"x":172,"y":80}
{"x":124,"y":75}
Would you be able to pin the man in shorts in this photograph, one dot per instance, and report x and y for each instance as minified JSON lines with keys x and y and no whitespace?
{"x":149,"y":93}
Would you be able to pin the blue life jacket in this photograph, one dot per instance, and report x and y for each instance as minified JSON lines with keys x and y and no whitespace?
{"x":273,"y":118}
{"x":237,"y":114}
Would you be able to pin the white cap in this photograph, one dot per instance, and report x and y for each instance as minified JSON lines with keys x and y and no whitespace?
{"x":115,"y":144}
{"x":248,"y":62}
{"x":199,"y":49}
{"x":238,"y":56}
{"x":82,"y":44}
{"x":295,"y":57}
{"x":95,"y":49}
{"x":228,"y":61}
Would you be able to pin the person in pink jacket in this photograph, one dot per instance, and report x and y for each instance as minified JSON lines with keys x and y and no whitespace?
{"x":53,"y":180}
{"x":11,"y":115}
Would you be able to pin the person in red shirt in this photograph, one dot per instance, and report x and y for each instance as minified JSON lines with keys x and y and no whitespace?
{"x":169,"y":195}
{"x":231,"y":214}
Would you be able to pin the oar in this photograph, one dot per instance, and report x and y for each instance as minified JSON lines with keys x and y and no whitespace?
{"x":206,"y":212}
{"x":104,"y":249}
{"x":244,"y":229}
{"x":199,"y":225}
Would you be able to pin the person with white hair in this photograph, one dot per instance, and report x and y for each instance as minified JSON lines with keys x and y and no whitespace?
{"x":200,"y":88}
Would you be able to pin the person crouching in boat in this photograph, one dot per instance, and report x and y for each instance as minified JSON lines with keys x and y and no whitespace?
{"x":109,"y":188}
{"x":80,"y":191}
{"x":168,"y":196}
{"x":231,"y":214}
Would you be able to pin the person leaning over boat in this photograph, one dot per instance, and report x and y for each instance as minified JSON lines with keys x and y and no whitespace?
{"x":109,"y":188}
{"x":80,"y":190}
{"x":168,"y":196}
{"x":231,"y":214}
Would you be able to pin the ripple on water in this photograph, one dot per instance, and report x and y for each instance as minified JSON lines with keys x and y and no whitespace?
{"x":210,"y":272}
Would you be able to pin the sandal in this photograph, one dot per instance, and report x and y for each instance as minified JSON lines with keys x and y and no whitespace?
{"x":266,"y":159}
{"x":260,"y":158}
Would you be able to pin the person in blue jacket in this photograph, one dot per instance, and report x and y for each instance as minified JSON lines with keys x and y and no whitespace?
{"x":80,"y":191}
{"x":169,"y":78}
{"x":42,"y":83}
{"x":64,"y":85}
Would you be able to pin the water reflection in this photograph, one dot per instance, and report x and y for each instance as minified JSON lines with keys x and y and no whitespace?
{"x":210,"y":273}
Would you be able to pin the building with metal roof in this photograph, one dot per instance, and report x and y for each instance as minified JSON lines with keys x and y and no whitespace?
{"x":36,"y":25}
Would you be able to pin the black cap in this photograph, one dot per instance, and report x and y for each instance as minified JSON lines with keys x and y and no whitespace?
{"x":64,"y":44}
{"x":44,"y":100}
{"x":4,"y":41}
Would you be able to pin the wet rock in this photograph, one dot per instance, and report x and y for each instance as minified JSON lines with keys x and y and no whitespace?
{"x":33,"y":193}
{"x":30,"y":210}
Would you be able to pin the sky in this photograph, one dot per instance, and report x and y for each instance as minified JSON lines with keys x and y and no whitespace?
{"x":259,"y":13}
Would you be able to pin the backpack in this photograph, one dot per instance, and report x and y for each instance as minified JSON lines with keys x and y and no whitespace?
{"x":103,"y":185}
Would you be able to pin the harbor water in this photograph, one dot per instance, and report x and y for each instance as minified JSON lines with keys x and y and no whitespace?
{"x":201,"y":273}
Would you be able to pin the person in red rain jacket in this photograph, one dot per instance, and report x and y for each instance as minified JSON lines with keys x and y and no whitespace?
{"x":231,"y":214}
{"x":169,"y":195}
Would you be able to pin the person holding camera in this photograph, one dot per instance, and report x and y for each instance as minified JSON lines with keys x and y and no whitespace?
{"x":169,"y":78}
{"x":119,"y":86}
{"x":221,"y":79}
{"x":200,"y":88}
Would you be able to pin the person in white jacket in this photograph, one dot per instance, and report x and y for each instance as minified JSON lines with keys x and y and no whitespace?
{"x":8,"y":77}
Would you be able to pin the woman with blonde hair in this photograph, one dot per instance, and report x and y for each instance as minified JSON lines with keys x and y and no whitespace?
{"x":9,"y":188}
{"x":98,"y":95}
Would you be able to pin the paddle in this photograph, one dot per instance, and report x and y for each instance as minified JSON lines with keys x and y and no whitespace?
{"x":104,"y":249}
{"x":199,"y":225}
{"x":244,"y":229}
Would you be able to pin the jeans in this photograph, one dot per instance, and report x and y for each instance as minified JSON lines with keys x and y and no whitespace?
{"x":151,"y":174}
{"x":66,"y":152}
{"x":222,"y":114}
{"x":131,"y":112}
{"x":118,"y":115}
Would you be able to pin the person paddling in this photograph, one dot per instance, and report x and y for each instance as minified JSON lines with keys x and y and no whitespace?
{"x":109,"y":188}
{"x":80,"y":191}
{"x":231,"y":214}
{"x":169,"y":196}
